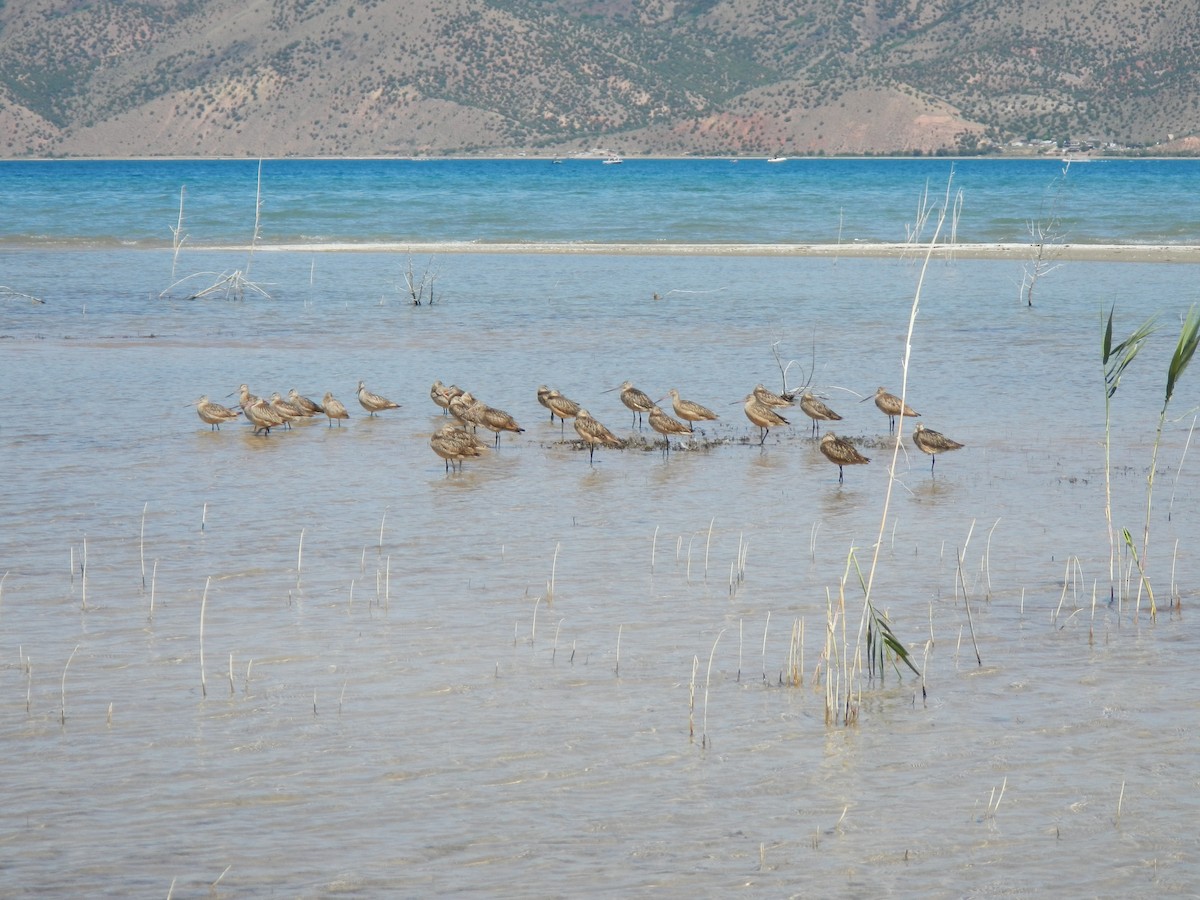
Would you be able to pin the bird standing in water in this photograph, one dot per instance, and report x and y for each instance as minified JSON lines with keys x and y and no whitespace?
{"x":933,"y":443}
{"x":841,"y":452}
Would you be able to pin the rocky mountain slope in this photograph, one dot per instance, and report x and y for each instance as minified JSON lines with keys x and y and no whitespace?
{"x":372,"y":77}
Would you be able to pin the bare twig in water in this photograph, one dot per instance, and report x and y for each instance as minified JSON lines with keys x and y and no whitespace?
{"x":1047,"y":240}
{"x":7,"y":292}
{"x":417,"y":287}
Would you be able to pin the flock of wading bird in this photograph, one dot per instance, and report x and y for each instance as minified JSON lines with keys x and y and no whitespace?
{"x":456,"y":441}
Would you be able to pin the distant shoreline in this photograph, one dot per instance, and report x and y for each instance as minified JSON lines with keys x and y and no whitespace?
{"x":1146,"y":253}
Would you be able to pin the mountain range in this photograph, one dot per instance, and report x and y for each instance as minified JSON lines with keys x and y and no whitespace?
{"x":666,"y":77}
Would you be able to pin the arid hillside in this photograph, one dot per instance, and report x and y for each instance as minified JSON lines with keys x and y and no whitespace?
{"x":399,"y":77}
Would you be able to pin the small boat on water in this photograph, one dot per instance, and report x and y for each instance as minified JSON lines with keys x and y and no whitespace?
{"x":777,"y":159}
{"x":613,"y":161}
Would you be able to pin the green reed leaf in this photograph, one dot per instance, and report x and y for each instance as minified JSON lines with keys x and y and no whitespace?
{"x":1189,"y":339}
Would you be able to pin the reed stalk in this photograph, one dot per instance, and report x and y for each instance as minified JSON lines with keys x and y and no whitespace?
{"x":795,"y":671}
{"x":83,"y":575}
{"x":299,"y":557}
{"x":153,"y":580}
{"x":970,"y":617}
{"x":62,"y":717}
{"x":617,"y":670}
{"x":203,"y":516}
{"x":987,"y":561}
{"x":766,"y":627}
{"x":554,"y":571}
{"x":868,"y":613}
{"x":203,"y":604}
{"x":692,"y":699}
{"x":142,"y":545}
{"x":1115,"y":359}
{"x":707,"y":545}
{"x":653,"y":549}
{"x":1179,"y":468}
{"x":704,"y":742}
{"x":177,"y":235}
{"x":1185,"y":350}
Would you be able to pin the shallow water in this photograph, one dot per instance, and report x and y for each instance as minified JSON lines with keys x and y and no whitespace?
{"x":394,"y":702}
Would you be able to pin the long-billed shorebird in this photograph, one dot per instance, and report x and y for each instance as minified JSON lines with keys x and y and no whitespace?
{"x":593,"y":433}
{"x":308,"y":408}
{"x":841,"y":452}
{"x":772,"y":399}
{"x":933,"y":443}
{"x":763,"y":416}
{"x":373,"y":403}
{"x":213,"y":413}
{"x":892,"y":406}
{"x":666,"y":426}
{"x":440,"y":395}
{"x":497,"y":420}
{"x":454,"y":444}
{"x":817,"y":411}
{"x":467,"y":410}
{"x":258,"y":412}
{"x":689,"y":410}
{"x":333,"y":409}
{"x":636,"y":400}
{"x":562,"y":406}
{"x":285,"y":409}
{"x":543,"y":397}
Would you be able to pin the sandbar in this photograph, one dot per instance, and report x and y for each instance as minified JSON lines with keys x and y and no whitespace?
{"x":1147,"y":253}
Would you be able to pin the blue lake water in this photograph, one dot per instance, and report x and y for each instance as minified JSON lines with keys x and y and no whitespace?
{"x":703,"y":201}
{"x":315,"y":663}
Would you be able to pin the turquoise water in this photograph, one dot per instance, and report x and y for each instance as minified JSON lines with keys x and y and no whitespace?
{"x":314,"y":663}
{"x":704,"y":201}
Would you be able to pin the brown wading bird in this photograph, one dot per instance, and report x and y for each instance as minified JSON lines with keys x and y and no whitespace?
{"x":891,"y":406}
{"x":213,"y":414}
{"x":638,"y":401}
{"x":258,"y":411}
{"x":841,"y":452}
{"x":440,"y":394}
{"x":666,"y":426}
{"x":373,"y":403}
{"x":770,"y":398}
{"x":933,"y":443}
{"x":497,"y":420}
{"x":689,"y":410}
{"x":561,"y":406}
{"x":454,"y":444}
{"x":817,"y":411}
{"x":307,"y":407}
{"x":543,"y":395}
{"x":593,"y":433}
{"x":762,"y":416}
{"x":333,"y":408}
{"x":467,"y":410}
{"x":289,"y":412}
